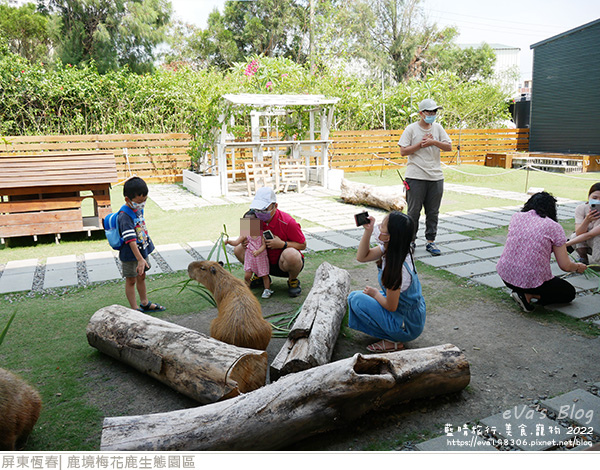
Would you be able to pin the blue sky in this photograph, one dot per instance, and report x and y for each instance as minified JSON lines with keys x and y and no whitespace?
{"x":518,"y":23}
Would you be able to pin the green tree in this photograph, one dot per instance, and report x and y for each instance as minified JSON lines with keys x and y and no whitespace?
{"x":271,"y":28}
{"x":467,"y":62}
{"x":25,"y":31}
{"x":109,"y":33}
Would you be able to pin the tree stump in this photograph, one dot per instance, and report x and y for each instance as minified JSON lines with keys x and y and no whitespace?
{"x":313,"y":336}
{"x":297,"y":405}
{"x":190,"y":362}
{"x":389,"y":198}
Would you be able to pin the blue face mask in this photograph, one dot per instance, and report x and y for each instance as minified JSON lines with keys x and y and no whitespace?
{"x":594,"y":202}
{"x":430,"y":119}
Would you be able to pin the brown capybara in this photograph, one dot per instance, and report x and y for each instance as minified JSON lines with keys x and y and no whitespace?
{"x":240,"y":321}
{"x":20,"y":406}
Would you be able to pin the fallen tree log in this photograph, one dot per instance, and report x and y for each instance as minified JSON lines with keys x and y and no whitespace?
{"x":313,"y":336}
{"x":190,"y":362}
{"x":297,"y":405}
{"x":389,"y":198}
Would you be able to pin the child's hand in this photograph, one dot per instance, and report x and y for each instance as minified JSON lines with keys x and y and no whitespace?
{"x":256,"y":253}
{"x":141,"y":267}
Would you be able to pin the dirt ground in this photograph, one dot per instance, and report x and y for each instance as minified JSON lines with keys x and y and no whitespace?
{"x":514,"y":359}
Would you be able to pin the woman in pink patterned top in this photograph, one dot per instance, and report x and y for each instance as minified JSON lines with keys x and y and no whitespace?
{"x":257,"y":261}
{"x":533,"y":235}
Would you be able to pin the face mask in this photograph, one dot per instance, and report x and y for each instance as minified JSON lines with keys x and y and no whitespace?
{"x":264,"y":216}
{"x":377,"y":234}
{"x":594,"y":202}
{"x":137,"y":207}
{"x":430,"y":119}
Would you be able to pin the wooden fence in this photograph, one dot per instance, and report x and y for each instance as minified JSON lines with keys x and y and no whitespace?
{"x":369,"y":150}
{"x":154,"y":157}
{"x":163,"y":157}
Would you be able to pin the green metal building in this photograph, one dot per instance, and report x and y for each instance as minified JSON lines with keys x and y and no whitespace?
{"x":565,"y":98}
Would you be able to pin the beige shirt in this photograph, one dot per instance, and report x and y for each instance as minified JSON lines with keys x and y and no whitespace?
{"x":425,"y":163}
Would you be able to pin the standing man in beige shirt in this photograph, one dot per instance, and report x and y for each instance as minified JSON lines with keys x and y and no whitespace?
{"x":423,"y":142}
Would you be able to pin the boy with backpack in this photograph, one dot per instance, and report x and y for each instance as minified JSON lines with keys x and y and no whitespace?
{"x":134,"y":245}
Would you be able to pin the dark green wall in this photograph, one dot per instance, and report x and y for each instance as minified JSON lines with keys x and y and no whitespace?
{"x":565,"y":99}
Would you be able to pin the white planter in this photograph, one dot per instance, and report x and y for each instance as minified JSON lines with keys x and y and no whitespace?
{"x":202,"y":185}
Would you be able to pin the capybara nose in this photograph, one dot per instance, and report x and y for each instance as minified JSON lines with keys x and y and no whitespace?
{"x":191,"y":267}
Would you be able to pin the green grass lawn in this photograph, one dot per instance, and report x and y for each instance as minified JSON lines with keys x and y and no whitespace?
{"x":560,"y":185}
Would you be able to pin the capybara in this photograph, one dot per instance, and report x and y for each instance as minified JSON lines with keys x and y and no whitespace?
{"x":20,"y":406}
{"x":240,"y":321}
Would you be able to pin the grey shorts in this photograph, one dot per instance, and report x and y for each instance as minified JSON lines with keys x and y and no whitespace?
{"x":130,"y":267}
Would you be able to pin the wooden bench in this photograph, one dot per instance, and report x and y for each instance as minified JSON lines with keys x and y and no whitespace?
{"x":43,"y":194}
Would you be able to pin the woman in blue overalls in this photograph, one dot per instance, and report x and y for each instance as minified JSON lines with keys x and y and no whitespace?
{"x":397,"y":312}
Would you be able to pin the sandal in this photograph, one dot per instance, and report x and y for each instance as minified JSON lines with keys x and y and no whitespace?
{"x":383,"y":346}
{"x":151,"y":307}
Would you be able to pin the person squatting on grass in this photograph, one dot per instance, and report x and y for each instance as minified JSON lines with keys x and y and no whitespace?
{"x":137,"y":246}
{"x":586,"y":239}
{"x":422,"y":142}
{"x":396,"y":313}
{"x":284,"y":249}
{"x":533,"y":235}
{"x":258,"y":263}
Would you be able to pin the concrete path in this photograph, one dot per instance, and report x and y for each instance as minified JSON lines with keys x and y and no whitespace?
{"x":462,"y":255}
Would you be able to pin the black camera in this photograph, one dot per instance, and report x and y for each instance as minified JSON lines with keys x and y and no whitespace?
{"x":362,"y":218}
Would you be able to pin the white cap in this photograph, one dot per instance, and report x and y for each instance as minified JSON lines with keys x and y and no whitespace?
{"x":428,"y":105}
{"x":264,"y":198}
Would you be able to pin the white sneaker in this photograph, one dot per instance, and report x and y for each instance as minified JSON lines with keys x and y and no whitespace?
{"x":267,"y":293}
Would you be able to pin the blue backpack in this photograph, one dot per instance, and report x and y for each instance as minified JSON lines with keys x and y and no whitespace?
{"x":111,"y":226}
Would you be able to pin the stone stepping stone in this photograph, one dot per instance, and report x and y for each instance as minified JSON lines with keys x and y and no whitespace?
{"x":578,"y":406}
{"x":61,"y":271}
{"x":175,"y":256}
{"x":473,"y":269}
{"x":491,"y":280}
{"x":581,"y":307}
{"x":450,"y":237}
{"x":457,"y":443}
{"x":203,"y":248}
{"x":101,"y":266}
{"x":314,"y":244}
{"x":448,"y":259}
{"x":585,"y":283}
{"x":339,"y":239}
{"x":526,"y":429}
{"x":453,"y":227}
{"x":471,"y":245}
{"x":18,"y":276}
{"x":473,"y":224}
{"x":487,"y":253}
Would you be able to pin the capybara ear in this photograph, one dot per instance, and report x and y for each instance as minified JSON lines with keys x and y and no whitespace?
{"x":213,"y":270}
{"x":221,"y":263}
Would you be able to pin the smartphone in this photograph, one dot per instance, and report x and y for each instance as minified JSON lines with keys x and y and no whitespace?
{"x":268,"y":235}
{"x":362,"y":218}
{"x":594,"y":207}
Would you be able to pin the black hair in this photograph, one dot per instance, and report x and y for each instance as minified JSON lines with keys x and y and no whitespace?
{"x":595,"y":187}
{"x":250,"y":214}
{"x":543,"y":203}
{"x":134,"y":187}
{"x":401,"y":229}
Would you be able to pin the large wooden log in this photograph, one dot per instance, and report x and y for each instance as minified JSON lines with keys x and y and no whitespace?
{"x":389,"y":198}
{"x":313,"y":336}
{"x":297,"y":405}
{"x":192,"y":363}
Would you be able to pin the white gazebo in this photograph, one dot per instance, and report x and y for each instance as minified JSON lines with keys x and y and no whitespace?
{"x":279,"y":159}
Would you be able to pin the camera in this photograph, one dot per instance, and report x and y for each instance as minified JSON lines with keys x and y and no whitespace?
{"x":362,"y":218}
{"x":268,"y":235}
